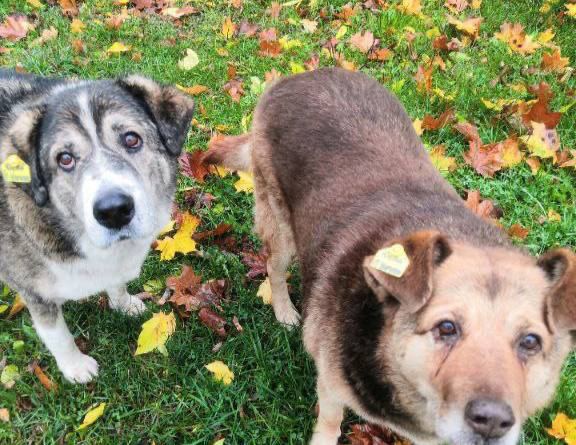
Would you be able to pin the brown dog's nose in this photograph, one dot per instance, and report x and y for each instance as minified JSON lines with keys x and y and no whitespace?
{"x":489,"y":418}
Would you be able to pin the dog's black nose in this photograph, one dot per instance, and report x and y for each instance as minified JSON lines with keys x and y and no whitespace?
{"x":114,"y":210}
{"x":489,"y":418}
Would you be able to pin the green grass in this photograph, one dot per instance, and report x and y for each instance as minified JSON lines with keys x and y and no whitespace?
{"x":173,"y":399}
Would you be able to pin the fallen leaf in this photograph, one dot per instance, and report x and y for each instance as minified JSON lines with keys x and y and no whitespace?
{"x":362,"y":41}
{"x":42,"y":377}
{"x":47,"y":35}
{"x":245,"y":183}
{"x":194,"y":90}
{"x":155,"y":332}
{"x":470,"y":26}
{"x":380,"y":54}
{"x":554,"y":216}
{"x":554,"y":62}
{"x":247,"y":29}
{"x":4,"y":415}
{"x":485,"y":159}
{"x":411,"y":7}
{"x":182,"y":241}
{"x":213,"y":321}
{"x":309,"y":25}
{"x":180,"y":12}
{"x":221,"y":372}
{"x":442,"y":162}
{"x":431,"y":123}
{"x":456,"y":6}
{"x":347,"y":12}
{"x":511,"y":154}
{"x":235,"y":89}
{"x":220,"y":230}
{"x":265,"y":291}
{"x":15,"y":28}
{"x":571,"y":10}
{"x":417,"y":125}
{"x":228,"y":28}
{"x":540,"y":112}
{"x":562,"y":426}
{"x":192,"y":294}
{"x":35,"y":3}
{"x":274,"y":10}
{"x":546,"y":36}
{"x":483,"y":208}
{"x":9,"y":375}
{"x":118,"y":47}
{"x":543,"y":142}
{"x":17,"y":305}
{"x":534,"y":165}
{"x":442,"y":43}
{"x":518,"y":231}
{"x":368,"y":434}
{"x":191,"y":166}
{"x":256,"y":263}
{"x":69,"y":8}
{"x":516,"y":38}
{"x":423,"y":78}
{"x":92,"y":416}
{"x":189,"y":61}
{"x":77,"y":26}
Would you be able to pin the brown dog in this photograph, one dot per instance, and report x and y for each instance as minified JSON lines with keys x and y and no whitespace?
{"x":419,"y":315}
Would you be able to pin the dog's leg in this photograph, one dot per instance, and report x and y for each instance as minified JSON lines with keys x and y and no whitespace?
{"x":52,"y":330}
{"x":277,"y":237}
{"x":330,"y":416}
{"x":122,"y":301}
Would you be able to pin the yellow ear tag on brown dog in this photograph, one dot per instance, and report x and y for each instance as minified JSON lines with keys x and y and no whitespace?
{"x":391,"y":260}
{"x":15,"y":169}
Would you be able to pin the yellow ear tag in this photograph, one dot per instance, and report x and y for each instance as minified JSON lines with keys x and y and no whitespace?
{"x":391,"y":260}
{"x":15,"y":169}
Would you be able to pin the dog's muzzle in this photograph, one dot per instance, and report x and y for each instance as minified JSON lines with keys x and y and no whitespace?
{"x":491,"y":419}
{"x":114,"y":210}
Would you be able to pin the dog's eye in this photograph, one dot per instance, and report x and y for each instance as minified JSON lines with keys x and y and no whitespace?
{"x":132,"y":141}
{"x":446,"y":330}
{"x":66,"y":161}
{"x":530,"y":344}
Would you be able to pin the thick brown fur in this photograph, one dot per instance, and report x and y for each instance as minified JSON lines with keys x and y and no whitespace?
{"x":339,"y":174}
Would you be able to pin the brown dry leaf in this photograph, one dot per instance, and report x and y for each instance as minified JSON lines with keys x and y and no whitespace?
{"x":362,"y":41}
{"x":343,"y":63}
{"x":272,"y":75}
{"x":15,"y":28}
{"x":274,"y":10}
{"x":191,"y":166}
{"x":380,"y":54}
{"x":484,"y":208}
{"x":423,"y":78}
{"x":442,"y":162}
{"x":78,"y":46}
{"x":237,"y":3}
{"x":554,"y":62}
{"x":311,"y":64}
{"x":518,"y":231}
{"x":213,"y":321}
{"x":180,"y":12}
{"x":69,"y":8}
{"x":431,"y":123}
{"x":347,"y":12}
{"x":256,"y":262}
{"x":17,"y":306}
{"x":269,"y":44}
{"x":190,"y":292}
{"x":220,"y":230}
{"x":485,"y":159}
{"x":42,"y":377}
{"x":412,"y":7}
{"x":540,"y":112}
{"x":235,"y":89}
{"x":456,"y":6}
{"x":194,"y":90}
{"x":442,"y":43}
{"x":309,"y":25}
{"x":516,"y":38}
{"x":534,"y":164}
{"x":368,"y":434}
{"x":47,"y":35}
{"x":247,"y":29}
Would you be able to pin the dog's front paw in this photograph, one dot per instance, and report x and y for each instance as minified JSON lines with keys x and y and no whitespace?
{"x":287,"y":315}
{"x":79,"y":368}
{"x":324,"y":439}
{"x":128,"y":304}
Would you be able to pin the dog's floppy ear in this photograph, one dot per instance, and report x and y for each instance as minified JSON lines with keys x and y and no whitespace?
{"x":404,"y":268}
{"x":559,"y":265}
{"x":170,"y":109}
{"x":23,"y":140}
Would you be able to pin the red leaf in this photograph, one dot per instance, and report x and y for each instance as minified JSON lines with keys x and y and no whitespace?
{"x":485,"y":159}
{"x":256,"y":263}
{"x":220,"y":230}
{"x":191,"y":166}
{"x":190,"y":292}
{"x":540,"y":111}
{"x":213,"y":321}
{"x":247,"y":29}
{"x":14,"y":28}
{"x":367,"y":434}
{"x":484,"y":208}
{"x":431,"y":123}
{"x":235,"y":89}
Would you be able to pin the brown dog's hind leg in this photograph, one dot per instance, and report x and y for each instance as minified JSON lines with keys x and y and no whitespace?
{"x":276,"y":234}
{"x":330,"y":416}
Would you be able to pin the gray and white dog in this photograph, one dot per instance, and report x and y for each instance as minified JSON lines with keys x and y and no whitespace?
{"x":99,"y":163}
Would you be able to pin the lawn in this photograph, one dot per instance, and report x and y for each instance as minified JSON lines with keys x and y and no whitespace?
{"x":174,"y":399}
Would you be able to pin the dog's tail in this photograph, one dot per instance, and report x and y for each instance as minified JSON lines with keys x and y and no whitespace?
{"x":233,"y":152}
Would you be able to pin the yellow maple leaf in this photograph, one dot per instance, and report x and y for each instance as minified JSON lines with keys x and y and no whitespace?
{"x":571,"y":9}
{"x":189,"y":61}
{"x":182,"y":241}
{"x":245,"y":183}
{"x":442,"y":162}
{"x":470,"y":26}
{"x":92,"y":416}
{"x":412,"y":7}
{"x":417,"y":124}
{"x":167,"y":228}
{"x":228,"y":28}
{"x":511,"y":154}
{"x":554,"y":216}
{"x":286,"y":43}
{"x":221,"y":372}
{"x":17,"y":305}
{"x":517,"y":40}
{"x":155,"y":332}
{"x":296,"y":68}
{"x":77,"y":26}
{"x":265,"y":291}
{"x":546,"y":36}
{"x":341,"y":32}
{"x":117,"y":48}
{"x":476,"y":4}
{"x":35,"y":3}
{"x":543,"y":142}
